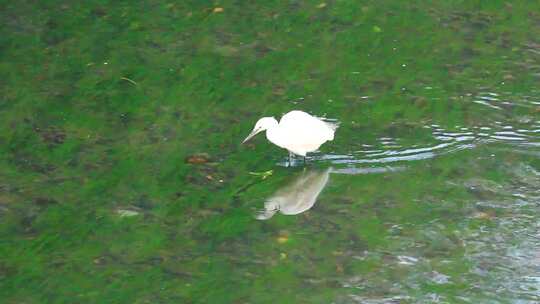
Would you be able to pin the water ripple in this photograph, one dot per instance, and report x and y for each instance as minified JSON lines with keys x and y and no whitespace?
{"x":388,"y":150}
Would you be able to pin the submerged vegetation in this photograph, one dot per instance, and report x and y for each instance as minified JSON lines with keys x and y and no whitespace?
{"x":122,"y":178}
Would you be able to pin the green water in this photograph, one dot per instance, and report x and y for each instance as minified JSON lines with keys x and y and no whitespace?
{"x":122,"y":178}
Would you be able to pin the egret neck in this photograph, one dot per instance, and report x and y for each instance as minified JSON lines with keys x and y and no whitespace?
{"x":263,"y":124}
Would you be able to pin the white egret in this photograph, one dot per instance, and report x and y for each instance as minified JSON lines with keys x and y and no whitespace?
{"x":297,"y":131}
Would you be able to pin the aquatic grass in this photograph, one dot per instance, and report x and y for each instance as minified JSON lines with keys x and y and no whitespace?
{"x":80,"y":141}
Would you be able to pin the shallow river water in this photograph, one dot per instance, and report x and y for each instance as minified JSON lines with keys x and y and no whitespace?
{"x":122,"y":177}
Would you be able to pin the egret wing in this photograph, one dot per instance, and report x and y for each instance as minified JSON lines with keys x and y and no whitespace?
{"x":303,"y":125}
{"x":304,"y":132}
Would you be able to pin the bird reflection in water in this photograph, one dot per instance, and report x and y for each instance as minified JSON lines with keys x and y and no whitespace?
{"x":298,"y":196}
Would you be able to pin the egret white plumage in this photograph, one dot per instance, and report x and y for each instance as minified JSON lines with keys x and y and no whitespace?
{"x":297,"y":131}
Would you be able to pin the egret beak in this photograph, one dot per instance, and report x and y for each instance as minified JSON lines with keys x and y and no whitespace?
{"x":253,"y":133}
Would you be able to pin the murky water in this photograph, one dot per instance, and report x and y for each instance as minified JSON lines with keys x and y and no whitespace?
{"x":485,"y":239}
{"x":122,"y":178}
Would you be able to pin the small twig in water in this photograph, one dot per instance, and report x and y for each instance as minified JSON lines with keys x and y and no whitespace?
{"x":264,"y":174}
{"x":129,"y":80}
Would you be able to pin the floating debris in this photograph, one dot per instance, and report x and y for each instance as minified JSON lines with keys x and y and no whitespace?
{"x":126,"y":212}
{"x":483,"y":215}
{"x":264,"y":174}
{"x":197,"y":159}
{"x":129,"y":80}
{"x":282,"y":239}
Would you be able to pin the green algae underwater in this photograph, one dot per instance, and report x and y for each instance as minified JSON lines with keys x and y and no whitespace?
{"x":122,"y":177}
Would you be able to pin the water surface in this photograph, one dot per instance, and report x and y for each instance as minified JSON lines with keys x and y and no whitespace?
{"x":122,"y":178}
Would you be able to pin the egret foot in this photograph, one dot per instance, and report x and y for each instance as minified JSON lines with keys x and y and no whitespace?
{"x":291,"y":157}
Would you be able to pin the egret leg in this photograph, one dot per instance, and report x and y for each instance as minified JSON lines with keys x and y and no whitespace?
{"x":290,"y":158}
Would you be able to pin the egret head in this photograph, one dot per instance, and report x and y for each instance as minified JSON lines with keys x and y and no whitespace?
{"x":262,"y":124}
